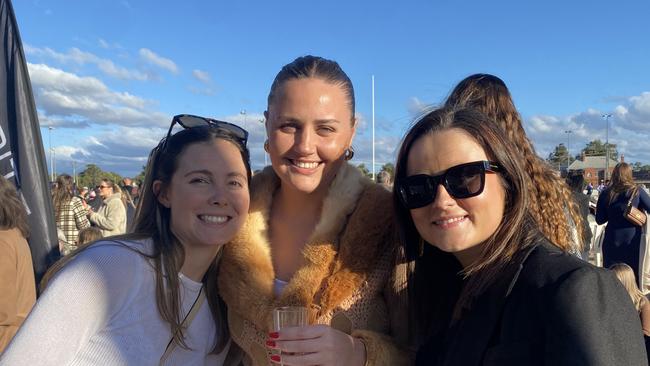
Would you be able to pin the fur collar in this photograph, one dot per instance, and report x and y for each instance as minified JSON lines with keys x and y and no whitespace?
{"x":347,"y":241}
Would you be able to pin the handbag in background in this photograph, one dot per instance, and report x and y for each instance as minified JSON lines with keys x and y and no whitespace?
{"x":633,"y":214}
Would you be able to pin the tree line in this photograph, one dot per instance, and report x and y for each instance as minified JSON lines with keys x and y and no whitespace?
{"x":560,"y":155}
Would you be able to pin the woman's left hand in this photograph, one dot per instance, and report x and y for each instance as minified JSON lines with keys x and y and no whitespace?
{"x":316,"y":345}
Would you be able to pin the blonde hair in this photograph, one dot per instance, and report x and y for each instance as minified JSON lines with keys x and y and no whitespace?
{"x":551,"y":200}
{"x":625,"y":274}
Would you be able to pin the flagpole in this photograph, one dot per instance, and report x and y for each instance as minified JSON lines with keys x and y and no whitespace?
{"x":27,"y":168}
{"x":373,"y":127}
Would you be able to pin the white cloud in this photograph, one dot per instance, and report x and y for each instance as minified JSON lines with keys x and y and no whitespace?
{"x":124,"y":150}
{"x":164,"y":63}
{"x":385,"y":151}
{"x":629,"y":129}
{"x":635,"y":115}
{"x":417,"y":107}
{"x":61,"y":95}
{"x":202,"y":76}
{"x":201,"y":91}
{"x":79,"y":57}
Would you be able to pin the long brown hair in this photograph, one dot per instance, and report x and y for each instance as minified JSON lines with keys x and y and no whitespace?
{"x":62,"y":194}
{"x":550,"y":198}
{"x":12,"y":211}
{"x":433,"y":269}
{"x":622,"y":181}
{"x":153,"y":220}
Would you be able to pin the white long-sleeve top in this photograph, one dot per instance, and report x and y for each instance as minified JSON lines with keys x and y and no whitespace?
{"x":100,"y":309}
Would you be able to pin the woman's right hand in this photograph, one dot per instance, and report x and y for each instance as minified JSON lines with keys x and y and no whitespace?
{"x":316,"y":345}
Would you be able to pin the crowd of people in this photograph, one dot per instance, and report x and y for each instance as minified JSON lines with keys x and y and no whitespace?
{"x":474,"y":255}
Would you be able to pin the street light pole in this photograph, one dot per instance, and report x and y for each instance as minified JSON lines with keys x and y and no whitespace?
{"x":568,"y":149}
{"x":243,"y":112}
{"x":374,"y":177}
{"x":606,"y":116}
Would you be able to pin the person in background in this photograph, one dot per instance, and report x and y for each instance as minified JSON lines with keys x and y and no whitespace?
{"x":551,"y":201}
{"x":319,"y":235}
{"x":111,"y":216}
{"x":69,"y":213}
{"x":88,"y":235}
{"x":83,"y":193}
{"x":622,"y":241}
{"x":17,"y":287}
{"x":625,"y":274}
{"x":139,"y":299}
{"x":576,"y":182}
{"x":487,"y":287}
{"x":127,"y":198}
{"x":383,"y":179}
{"x":590,"y":188}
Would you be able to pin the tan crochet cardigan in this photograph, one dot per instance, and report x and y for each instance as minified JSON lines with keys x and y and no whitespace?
{"x":349,"y":280}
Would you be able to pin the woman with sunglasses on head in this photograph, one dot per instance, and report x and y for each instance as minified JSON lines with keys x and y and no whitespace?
{"x":139,"y":299}
{"x":318,"y":235}
{"x":487,"y":288}
{"x":551,"y":202}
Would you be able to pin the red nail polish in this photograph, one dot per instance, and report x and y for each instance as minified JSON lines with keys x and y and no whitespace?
{"x":270,"y":343}
{"x":274,"y":335}
{"x":275,"y":358}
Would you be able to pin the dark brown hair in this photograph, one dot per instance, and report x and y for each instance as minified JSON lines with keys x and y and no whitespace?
{"x":153,"y":220}
{"x":550,"y":197}
{"x":433,"y":270}
{"x":12,"y":211}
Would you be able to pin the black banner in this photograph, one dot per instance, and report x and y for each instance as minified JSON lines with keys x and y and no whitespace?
{"x":22,"y":159}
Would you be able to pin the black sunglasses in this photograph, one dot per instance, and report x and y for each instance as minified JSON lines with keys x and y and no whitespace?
{"x":461,"y":181}
{"x":188,"y":121}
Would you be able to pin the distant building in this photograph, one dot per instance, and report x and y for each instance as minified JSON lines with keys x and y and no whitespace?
{"x":593,"y":168}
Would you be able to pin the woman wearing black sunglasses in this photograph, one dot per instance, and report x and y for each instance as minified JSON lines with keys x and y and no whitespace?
{"x":149,"y":297}
{"x":319,"y":235}
{"x":487,"y":288}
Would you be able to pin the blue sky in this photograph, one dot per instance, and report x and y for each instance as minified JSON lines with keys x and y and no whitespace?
{"x":108,"y":75}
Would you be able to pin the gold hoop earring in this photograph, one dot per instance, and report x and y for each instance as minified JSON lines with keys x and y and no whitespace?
{"x":349,"y":153}
{"x":266,"y":145}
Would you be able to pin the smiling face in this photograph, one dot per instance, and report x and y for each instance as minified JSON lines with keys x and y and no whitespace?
{"x":457,"y":226}
{"x":208,"y":194}
{"x":309,"y":125}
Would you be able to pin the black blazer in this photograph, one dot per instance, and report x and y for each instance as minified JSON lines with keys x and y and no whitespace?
{"x":549,"y":308}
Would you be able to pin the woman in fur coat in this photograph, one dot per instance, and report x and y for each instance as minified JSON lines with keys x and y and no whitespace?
{"x":319,"y":235}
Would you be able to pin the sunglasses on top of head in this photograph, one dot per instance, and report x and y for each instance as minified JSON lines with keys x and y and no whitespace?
{"x":461,"y":181}
{"x":188,"y":121}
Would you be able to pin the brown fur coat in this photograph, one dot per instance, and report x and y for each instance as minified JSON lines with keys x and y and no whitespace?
{"x":349,"y":279}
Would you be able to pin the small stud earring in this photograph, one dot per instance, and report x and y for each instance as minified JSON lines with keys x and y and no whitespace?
{"x":349,"y":153}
